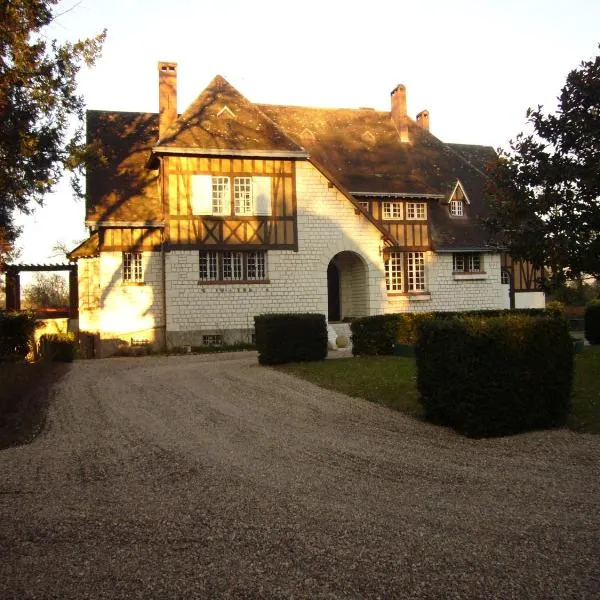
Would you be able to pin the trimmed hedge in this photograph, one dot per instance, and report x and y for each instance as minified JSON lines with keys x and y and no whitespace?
{"x":591,"y":322}
{"x":16,"y":334}
{"x":58,"y":347}
{"x":377,"y":335}
{"x":496,"y":376}
{"x":283,"y":338}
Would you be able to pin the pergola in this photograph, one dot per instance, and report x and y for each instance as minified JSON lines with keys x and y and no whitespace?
{"x":13,"y":284}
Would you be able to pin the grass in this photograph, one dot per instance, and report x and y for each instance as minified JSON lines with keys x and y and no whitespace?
{"x":391,"y":381}
{"x":24,"y":399}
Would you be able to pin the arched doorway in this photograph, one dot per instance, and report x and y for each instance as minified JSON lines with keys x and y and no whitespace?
{"x":347,"y":287}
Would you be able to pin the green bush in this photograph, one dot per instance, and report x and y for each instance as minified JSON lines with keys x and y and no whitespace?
{"x":377,"y":335}
{"x":591,"y":322}
{"x":16,"y":334}
{"x":283,"y":338}
{"x":495,"y":376}
{"x":58,"y":347}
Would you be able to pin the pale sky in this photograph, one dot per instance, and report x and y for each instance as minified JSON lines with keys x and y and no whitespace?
{"x":476,"y":65}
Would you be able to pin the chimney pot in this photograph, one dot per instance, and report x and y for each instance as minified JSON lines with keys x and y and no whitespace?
{"x":423,"y":119}
{"x":399,"y":116}
{"x":167,"y":96}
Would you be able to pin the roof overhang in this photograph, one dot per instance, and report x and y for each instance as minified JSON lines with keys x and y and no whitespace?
{"x":468,"y":249}
{"x":397,"y":195}
{"x":231,"y":152}
{"x":149,"y":224}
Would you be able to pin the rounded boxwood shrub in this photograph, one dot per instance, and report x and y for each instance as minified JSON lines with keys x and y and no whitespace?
{"x":591,"y":322}
{"x":283,"y":338}
{"x":16,"y":333}
{"x":495,"y":376}
{"x":59,"y":347}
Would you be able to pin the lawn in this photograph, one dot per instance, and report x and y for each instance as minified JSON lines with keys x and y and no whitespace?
{"x":391,"y":381}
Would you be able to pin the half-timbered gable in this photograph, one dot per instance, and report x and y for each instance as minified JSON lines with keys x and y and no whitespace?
{"x":199,"y":221}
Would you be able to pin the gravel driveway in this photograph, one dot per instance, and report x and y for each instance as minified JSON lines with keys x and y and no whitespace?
{"x":211,"y":477}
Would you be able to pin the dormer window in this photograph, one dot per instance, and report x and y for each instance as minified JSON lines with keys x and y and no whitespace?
{"x":458,"y":199}
{"x":457,"y":208}
{"x":392,"y":210}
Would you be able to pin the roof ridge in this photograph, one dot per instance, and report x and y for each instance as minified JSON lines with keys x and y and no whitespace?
{"x":360,"y":108}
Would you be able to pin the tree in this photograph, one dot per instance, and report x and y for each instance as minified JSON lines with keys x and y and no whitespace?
{"x":546,"y":189}
{"x":39,"y":106}
{"x":47,"y":291}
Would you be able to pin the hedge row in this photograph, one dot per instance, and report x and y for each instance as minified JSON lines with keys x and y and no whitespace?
{"x":60,"y":347}
{"x":16,"y":334}
{"x":495,"y":376}
{"x":377,"y":335}
{"x":283,"y":338}
{"x":591,"y":322}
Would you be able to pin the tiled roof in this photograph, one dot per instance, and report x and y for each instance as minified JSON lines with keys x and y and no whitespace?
{"x":222,"y":119}
{"x":87,"y":249}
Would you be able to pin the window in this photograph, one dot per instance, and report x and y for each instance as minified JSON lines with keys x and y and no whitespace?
{"x":456,"y":208}
{"x":505,"y":277}
{"x":364,"y":204}
{"x":132,"y":267}
{"x":393,"y":272}
{"x":213,"y":195}
{"x":466,"y":262}
{"x":392,"y":210}
{"x":220,"y":196}
{"x":416,"y":271}
{"x":233,"y":266}
{"x":242,"y":196}
{"x":256,"y":266}
{"x":212,"y":340}
{"x":209,"y":266}
{"x":415,"y":211}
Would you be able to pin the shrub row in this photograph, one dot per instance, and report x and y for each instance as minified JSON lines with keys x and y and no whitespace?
{"x":495,"y":376}
{"x":591,"y":322}
{"x":282,"y":338}
{"x":16,"y":334}
{"x":377,"y":335}
{"x":60,"y":347}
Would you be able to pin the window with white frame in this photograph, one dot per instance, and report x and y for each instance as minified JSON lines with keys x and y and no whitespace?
{"x":233,"y":266}
{"x":364,"y":204}
{"x":457,"y":208}
{"x":392,"y":210}
{"x":214,"y":195}
{"x":466,"y":262}
{"x":415,"y":264}
{"x":212,"y":340}
{"x":242,"y":196}
{"x":415,"y":211}
{"x":504,"y":277}
{"x":132,"y":267}
{"x":220,"y":196}
{"x":256,"y":265}
{"x":393,"y":272}
{"x":209,"y":266}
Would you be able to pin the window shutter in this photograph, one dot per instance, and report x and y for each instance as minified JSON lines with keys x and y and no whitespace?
{"x":262,"y":195}
{"x":201,"y":194}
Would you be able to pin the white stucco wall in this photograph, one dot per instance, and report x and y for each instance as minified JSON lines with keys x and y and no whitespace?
{"x":88,"y":275}
{"x":530,"y":300}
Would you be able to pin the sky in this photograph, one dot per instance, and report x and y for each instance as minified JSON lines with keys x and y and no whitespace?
{"x":476,"y":65}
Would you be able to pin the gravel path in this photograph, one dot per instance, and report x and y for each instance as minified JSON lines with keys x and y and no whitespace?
{"x":211,"y":477}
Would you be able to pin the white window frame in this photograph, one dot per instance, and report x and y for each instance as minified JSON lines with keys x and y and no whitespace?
{"x":232,"y":268}
{"x":394,"y":271}
{"x":133,"y":270}
{"x":416,"y":211}
{"x":209,"y":266}
{"x":415,"y":278}
{"x":457,"y":208}
{"x":392,"y":211}
{"x":212,"y":339}
{"x":364,"y":204}
{"x":243,"y":196}
{"x":221,"y":195}
{"x":256,"y":265}
{"x":467,"y":262}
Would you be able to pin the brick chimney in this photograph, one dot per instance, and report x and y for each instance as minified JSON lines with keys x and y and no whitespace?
{"x":167,"y":96}
{"x":399,"y":116}
{"x":423,"y":119}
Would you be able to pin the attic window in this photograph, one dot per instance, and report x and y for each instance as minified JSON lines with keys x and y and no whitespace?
{"x":458,"y":198}
{"x":368,"y":138}
{"x":226,"y":112}
{"x":307,"y":134}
